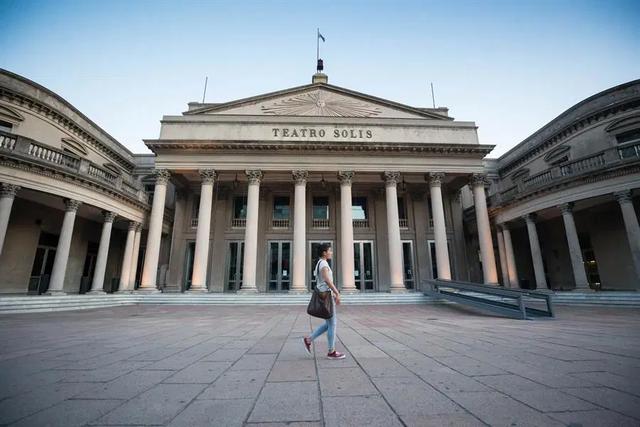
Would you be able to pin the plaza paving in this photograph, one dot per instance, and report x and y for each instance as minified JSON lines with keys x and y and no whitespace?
{"x":418,"y":365}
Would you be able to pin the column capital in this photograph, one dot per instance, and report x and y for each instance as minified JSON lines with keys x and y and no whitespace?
{"x":208,"y":176}
{"x":133,"y":225}
{"x":108,"y":216}
{"x":71,"y":205}
{"x":162,"y":176}
{"x":478,"y":179}
{"x":623,"y":196}
{"x":566,"y":208}
{"x":300,"y":176}
{"x":254,"y":176}
{"x":345,"y":177}
{"x":8,"y":190}
{"x":391,"y":178}
{"x":530,"y":217}
{"x":503,"y":226}
{"x":435,"y":178}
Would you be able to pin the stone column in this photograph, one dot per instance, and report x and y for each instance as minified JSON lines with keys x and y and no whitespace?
{"x":299,"y":273}
{"x":478,"y":181}
{"x":633,"y":230}
{"x":536,"y":253}
{"x":201,"y":255}
{"x":393,"y":233}
{"x":439,"y":226}
{"x":134,"y":259}
{"x":251,"y":232}
{"x":346,"y":233}
{"x":125,"y":269}
{"x":575,"y":253}
{"x":503,"y":259}
{"x":56,"y":283}
{"x":148,"y":283}
{"x":7,"y":194}
{"x":511,"y":259}
{"x":97,"y":285}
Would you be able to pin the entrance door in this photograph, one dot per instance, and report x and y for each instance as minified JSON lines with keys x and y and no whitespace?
{"x":363,"y":265}
{"x":279,"y":265}
{"x":89,"y":267}
{"x":314,"y":256}
{"x":188,"y":266}
{"x":407,"y":264}
{"x":235,"y":258}
{"x":43,"y":263}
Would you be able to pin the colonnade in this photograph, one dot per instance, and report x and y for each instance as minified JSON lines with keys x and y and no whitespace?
{"x":299,"y":177}
{"x":507,"y":258}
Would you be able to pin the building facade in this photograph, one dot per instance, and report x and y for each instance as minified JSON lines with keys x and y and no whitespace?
{"x":565,"y":201}
{"x":237,"y":196}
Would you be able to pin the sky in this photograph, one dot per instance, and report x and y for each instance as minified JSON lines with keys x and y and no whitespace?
{"x":509,"y":66}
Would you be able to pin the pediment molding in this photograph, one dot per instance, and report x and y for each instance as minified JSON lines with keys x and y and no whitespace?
{"x":10,"y":114}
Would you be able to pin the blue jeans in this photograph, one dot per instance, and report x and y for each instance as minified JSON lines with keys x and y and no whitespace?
{"x":329,"y":326}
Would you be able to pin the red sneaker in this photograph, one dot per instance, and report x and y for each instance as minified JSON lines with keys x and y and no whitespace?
{"x":307,"y":344}
{"x":335,"y":355}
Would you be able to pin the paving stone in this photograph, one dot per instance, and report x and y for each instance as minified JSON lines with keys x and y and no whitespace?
{"x":550,"y":400}
{"x":199,"y":372}
{"x":225,"y":354}
{"x":626,"y":384}
{"x":597,"y":418}
{"x":508,"y":383}
{"x":345,"y":382}
{"x":614,"y":400}
{"x":498,"y":409}
{"x":254,"y":362}
{"x":384,"y":367}
{"x":293,"y":370}
{"x":294,"y":424}
{"x":236,"y":385}
{"x":370,"y":411}
{"x":157,"y":405}
{"x":125,"y":387}
{"x":469,"y":366}
{"x":413,"y":397}
{"x":70,"y":413}
{"x":214,"y":413}
{"x":292,"y":401}
{"x":459,"y":420}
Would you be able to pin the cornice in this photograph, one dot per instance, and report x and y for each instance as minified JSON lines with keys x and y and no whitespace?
{"x":50,"y":113}
{"x":64,"y":175}
{"x":449,"y":149}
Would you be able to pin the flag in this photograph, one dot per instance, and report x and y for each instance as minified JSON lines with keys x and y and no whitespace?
{"x":320,"y":36}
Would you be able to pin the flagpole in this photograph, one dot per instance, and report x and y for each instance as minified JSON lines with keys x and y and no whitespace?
{"x":317,"y":45}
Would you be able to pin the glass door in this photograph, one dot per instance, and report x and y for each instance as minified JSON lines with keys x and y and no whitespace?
{"x":43,"y":263}
{"x":363,"y":265}
{"x":235,"y":258}
{"x":314,"y":256}
{"x":188,"y":264}
{"x":279,"y":265}
{"x":407,"y":264}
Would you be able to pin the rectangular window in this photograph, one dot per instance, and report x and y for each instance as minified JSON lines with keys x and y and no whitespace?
{"x":359,"y":208}
{"x":402,"y":208}
{"x":430,"y":212}
{"x":281,"y":208}
{"x":240,"y":207}
{"x":5,"y":126}
{"x":631,"y":136}
{"x":321,"y":208}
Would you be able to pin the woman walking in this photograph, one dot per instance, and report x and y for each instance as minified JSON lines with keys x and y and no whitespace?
{"x":324,"y":283}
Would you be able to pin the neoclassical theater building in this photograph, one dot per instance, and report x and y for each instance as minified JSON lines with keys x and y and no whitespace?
{"x":237,"y":196}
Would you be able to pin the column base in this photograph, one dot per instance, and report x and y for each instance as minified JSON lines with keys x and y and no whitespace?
{"x":124,"y":292}
{"x":349,"y":291}
{"x":55,"y":293}
{"x":146,"y":291}
{"x":97,"y":292}
{"x":398,"y":290}
{"x":197,"y":291}
{"x":248,"y":290}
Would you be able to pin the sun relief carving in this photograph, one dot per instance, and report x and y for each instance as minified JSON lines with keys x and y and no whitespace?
{"x":321,"y":103}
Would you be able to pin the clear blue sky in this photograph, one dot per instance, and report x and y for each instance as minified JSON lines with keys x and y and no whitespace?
{"x":510,"y":66}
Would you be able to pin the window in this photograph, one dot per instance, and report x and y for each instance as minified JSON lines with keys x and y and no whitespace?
{"x":359,"y":208}
{"x":630,"y":136}
{"x":281,"y":208}
{"x":195,"y":211}
{"x":402,"y":208}
{"x":320,"y":208}
{"x":240,"y":207}
{"x":430,"y":208}
{"x":5,"y":126}
{"x":631,"y":141}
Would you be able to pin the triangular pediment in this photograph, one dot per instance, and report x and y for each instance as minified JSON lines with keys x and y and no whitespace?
{"x":317,"y":100}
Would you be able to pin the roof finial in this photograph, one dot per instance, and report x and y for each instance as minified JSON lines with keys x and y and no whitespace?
{"x":319,"y":76}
